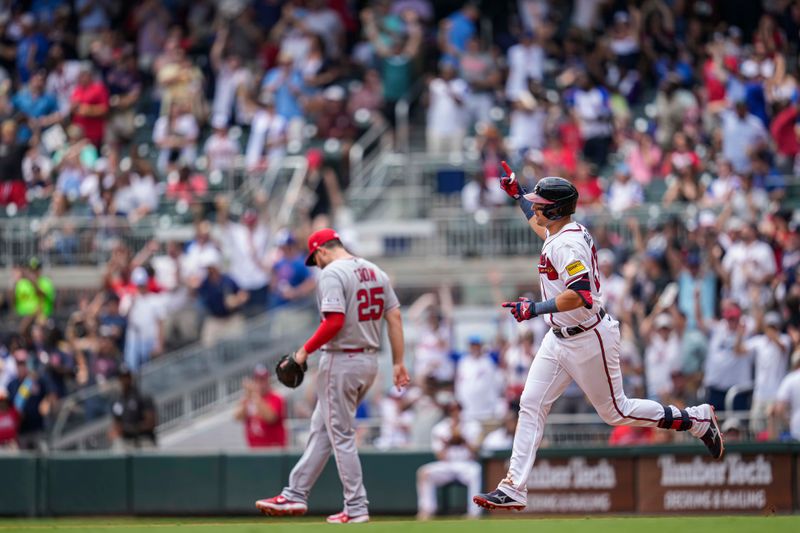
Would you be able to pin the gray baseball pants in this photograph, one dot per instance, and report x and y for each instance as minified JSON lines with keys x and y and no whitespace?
{"x":343,"y":381}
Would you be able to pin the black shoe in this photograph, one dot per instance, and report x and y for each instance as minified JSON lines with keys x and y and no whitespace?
{"x":497,"y":500}
{"x":713,"y":438}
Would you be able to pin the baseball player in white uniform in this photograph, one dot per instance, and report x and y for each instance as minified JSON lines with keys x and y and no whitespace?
{"x":354,"y":297}
{"x":582,"y":343}
{"x":455,"y":442}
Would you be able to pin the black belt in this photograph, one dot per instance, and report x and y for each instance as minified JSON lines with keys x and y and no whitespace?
{"x":574,"y":330}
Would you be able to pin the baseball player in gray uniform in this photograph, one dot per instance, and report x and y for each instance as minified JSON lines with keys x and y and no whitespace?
{"x":354,"y":297}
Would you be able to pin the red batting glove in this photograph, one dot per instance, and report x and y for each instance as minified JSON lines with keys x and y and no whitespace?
{"x":509,"y":183}
{"x":522,"y":309}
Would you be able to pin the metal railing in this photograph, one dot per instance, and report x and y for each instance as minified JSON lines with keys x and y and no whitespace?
{"x":184,"y":384}
{"x":366,"y":150}
{"x":449,"y":232}
{"x":71,"y":240}
{"x":402,"y":114}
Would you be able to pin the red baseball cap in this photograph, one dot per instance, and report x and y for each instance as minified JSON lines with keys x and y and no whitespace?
{"x":732,"y":311}
{"x":317,"y":239}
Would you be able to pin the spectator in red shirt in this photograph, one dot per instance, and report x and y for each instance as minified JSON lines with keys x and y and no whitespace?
{"x":589,"y":190}
{"x":90,"y":106}
{"x":263,"y":412}
{"x":9,"y":422}
{"x":784,"y":134}
{"x":681,"y":156}
{"x":631,"y":436}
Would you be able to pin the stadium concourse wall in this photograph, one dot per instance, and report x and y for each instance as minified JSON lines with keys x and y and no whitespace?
{"x":753,"y":478}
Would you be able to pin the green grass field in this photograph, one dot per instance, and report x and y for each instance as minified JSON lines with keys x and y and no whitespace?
{"x":758,"y":524}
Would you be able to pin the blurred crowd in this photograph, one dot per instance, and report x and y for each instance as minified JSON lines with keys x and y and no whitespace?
{"x":112,"y":110}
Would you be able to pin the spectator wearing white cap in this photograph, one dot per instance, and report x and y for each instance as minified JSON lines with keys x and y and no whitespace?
{"x":222,"y":300}
{"x":787,"y":401}
{"x":144,"y":337}
{"x":770,"y":351}
{"x":662,"y":357}
{"x":220,"y":148}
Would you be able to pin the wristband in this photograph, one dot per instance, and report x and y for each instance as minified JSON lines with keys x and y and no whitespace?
{"x":526,"y":206}
{"x":546,"y":307}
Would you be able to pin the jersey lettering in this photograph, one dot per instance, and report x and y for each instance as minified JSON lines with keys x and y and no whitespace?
{"x":546,"y":267}
{"x":590,"y":243}
{"x":365,"y":274}
{"x":595,"y":269}
{"x":370,"y":304}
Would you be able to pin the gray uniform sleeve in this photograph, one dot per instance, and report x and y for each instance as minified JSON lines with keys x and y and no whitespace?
{"x":331,"y":293}
{"x":391,"y":298}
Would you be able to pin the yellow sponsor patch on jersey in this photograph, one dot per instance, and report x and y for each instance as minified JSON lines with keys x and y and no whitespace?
{"x":575,"y":267}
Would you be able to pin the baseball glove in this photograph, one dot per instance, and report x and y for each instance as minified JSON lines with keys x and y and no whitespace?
{"x":290,"y":372}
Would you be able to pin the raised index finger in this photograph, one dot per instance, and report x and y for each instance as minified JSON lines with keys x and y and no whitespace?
{"x":506,"y":168}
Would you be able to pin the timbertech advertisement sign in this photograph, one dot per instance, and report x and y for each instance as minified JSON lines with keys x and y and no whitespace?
{"x":746,"y":483}
{"x":761,"y":482}
{"x":577,"y":485}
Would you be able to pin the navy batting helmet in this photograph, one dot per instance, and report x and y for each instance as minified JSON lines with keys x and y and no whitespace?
{"x":557,"y":194}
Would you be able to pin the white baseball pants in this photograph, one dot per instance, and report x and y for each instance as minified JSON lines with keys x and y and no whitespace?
{"x":434,"y":475}
{"x":592,"y":360}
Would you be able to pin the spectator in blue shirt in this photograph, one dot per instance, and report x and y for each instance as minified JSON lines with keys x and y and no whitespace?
{"x":38,"y":107}
{"x":291,"y":278}
{"x":31,"y":397}
{"x":457,"y":29}
{"x":222,"y":300}
{"x":766,"y":176}
{"x":285,"y":83}
{"x":31,"y":49}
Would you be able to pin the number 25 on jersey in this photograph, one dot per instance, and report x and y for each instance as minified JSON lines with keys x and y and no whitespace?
{"x":370,"y":304}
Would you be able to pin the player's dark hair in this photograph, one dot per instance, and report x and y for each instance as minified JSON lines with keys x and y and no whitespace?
{"x":333,"y":243}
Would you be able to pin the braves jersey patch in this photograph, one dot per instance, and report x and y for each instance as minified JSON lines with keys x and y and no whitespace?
{"x":547,"y":268}
{"x":575,"y":267}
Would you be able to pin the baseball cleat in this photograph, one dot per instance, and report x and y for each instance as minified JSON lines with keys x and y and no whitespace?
{"x":344,"y":518}
{"x":712,"y":438}
{"x":497,"y":500}
{"x":280,"y":506}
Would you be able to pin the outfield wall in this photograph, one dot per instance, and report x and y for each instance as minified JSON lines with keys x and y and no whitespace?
{"x":752,"y":479}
